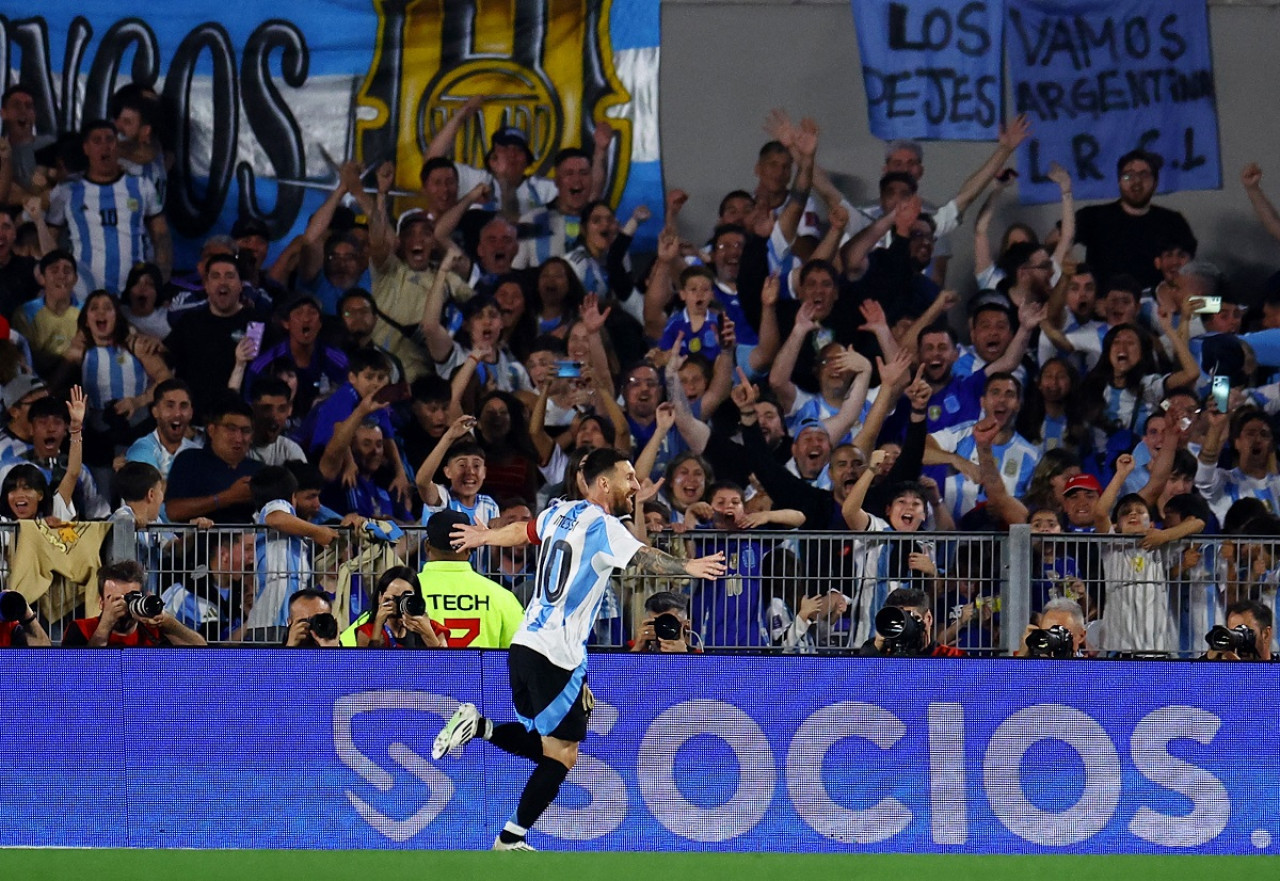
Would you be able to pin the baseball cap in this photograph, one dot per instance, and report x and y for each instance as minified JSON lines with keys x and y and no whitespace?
{"x":1082,"y":481}
{"x":806,"y":424}
{"x":440,"y":528}
{"x":513,"y":137}
{"x":250,"y":226}
{"x":413,"y":215}
{"x":21,"y":386}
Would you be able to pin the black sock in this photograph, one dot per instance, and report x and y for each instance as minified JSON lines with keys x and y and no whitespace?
{"x":514,"y":738}
{"x":540,"y":791}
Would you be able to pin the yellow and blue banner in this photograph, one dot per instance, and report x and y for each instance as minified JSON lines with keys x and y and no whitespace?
{"x":262,"y":99}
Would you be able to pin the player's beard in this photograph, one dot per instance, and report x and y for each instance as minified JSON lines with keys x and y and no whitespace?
{"x":623,"y":506}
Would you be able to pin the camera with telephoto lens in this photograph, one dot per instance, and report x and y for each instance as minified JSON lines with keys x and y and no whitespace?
{"x":323,"y":626}
{"x":901,"y":630}
{"x":143,"y":605}
{"x":13,"y":606}
{"x":667,"y":626}
{"x":1053,"y":642}
{"x":410,"y":605}
{"x":1240,"y":639}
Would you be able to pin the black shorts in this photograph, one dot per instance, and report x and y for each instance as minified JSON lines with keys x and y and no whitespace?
{"x":548,"y":699}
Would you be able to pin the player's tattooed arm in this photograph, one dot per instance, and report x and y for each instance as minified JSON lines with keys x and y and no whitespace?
{"x":651,"y":561}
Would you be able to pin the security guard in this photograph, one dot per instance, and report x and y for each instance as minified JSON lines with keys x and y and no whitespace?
{"x":479,"y":613}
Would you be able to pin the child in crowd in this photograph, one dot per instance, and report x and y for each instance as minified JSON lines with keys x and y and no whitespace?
{"x":50,"y":321}
{"x":464,"y":468}
{"x":1054,"y":572}
{"x":284,"y":550}
{"x":1136,"y":616}
{"x":700,"y":329}
{"x":24,"y":491}
{"x":52,"y":423}
{"x":731,"y":611}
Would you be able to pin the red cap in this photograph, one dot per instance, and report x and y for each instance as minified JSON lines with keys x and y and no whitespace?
{"x":1082,"y":481}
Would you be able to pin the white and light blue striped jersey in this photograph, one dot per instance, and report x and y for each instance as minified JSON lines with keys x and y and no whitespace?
{"x":11,"y":446}
{"x":1222,"y":488}
{"x":809,"y":406}
{"x":1120,"y":403}
{"x":107,"y":226}
{"x":548,"y":233}
{"x":533,"y":192}
{"x":283,"y":564}
{"x":874,"y":577}
{"x":1017,"y":460}
{"x":111,"y":373}
{"x":149,"y":449}
{"x":156,"y":172}
{"x":970,"y":362}
{"x":482,"y":513}
{"x":1052,"y":432}
{"x":579,"y":547}
{"x":1085,"y":339}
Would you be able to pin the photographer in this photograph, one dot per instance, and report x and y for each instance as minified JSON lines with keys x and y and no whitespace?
{"x":311,"y":621}
{"x":19,"y":624}
{"x":1246,"y":636}
{"x":400,"y":615}
{"x":129,"y":617}
{"x":665,"y":627}
{"x":904,"y":626}
{"x":1059,"y":634}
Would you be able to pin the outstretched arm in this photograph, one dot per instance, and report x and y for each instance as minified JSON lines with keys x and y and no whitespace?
{"x":467,"y":537}
{"x":1029,"y":317}
{"x":857,"y":519}
{"x":1008,"y":508}
{"x":442,"y":143}
{"x":1062,"y":178}
{"x":1107,"y":501}
{"x":425,"y":478}
{"x":693,"y":430}
{"x":1251,"y":177}
{"x":651,"y":561}
{"x":439,"y":340}
{"x":311,"y":255}
{"x":1011,"y":136}
{"x":894,"y":377}
{"x":75,"y":455}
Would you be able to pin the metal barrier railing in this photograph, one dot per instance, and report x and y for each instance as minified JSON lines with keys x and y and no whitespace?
{"x":785,"y":591}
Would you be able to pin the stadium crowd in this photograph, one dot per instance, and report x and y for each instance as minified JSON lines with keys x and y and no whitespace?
{"x":808,"y":364}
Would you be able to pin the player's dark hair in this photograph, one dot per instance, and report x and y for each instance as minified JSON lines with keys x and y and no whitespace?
{"x":598,"y":462}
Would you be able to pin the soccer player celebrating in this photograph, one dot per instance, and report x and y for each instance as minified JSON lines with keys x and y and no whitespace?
{"x":580,"y":543}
